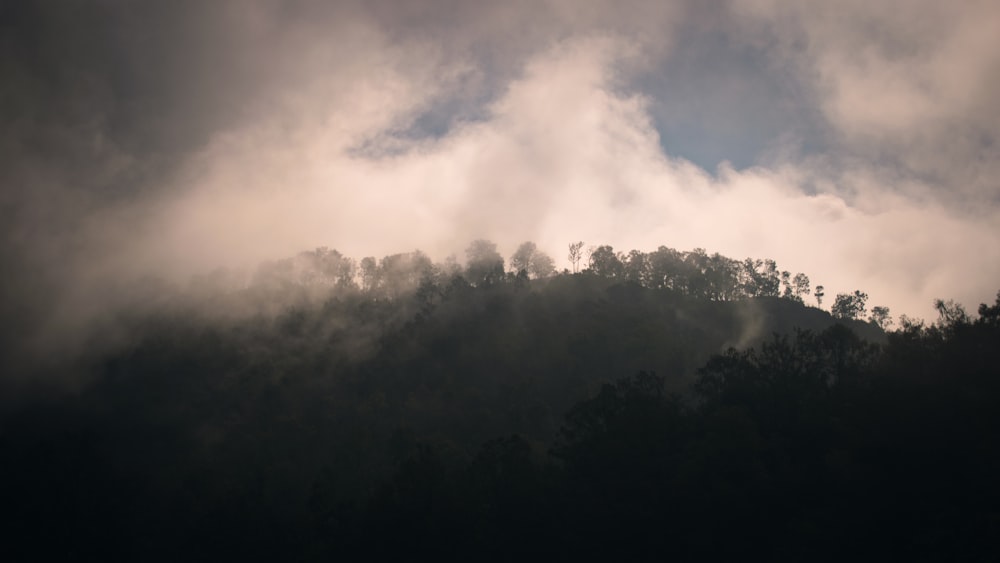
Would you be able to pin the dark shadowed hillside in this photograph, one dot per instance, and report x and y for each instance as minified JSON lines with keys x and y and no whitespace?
{"x":307,"y":413}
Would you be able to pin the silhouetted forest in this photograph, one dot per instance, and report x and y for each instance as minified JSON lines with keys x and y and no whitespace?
{"x":643,"y":406}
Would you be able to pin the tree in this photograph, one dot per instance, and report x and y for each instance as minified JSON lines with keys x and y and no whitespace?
{"x":402,"y":273}
{"x":990,"y":315}
{"x":880,"y":317}
{"x":529,"y":259}
{"x":722,"y":276}
{"x":604,"y":262}
{"x":849,"y":306}
{"x":800,"y":285}
{"x":369,"y":273}
{"x":521,"y":259}
{"x":635,"y":267}
{"x":664,"y":266}
{"x":695,"y":266}
{"x":950,"y":313}
{"x":769,"y":281}
{"x":541,"y":265}
{"x":575,"y":254}
{"x":759,"y":278}
{"x":327,"y":267}
{"x":448,"y":269}
{"x":483,"y":264}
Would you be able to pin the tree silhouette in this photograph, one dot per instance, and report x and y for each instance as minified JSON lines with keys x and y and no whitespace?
{"x":880,"y":316}
{"x":849,"y":306}
{"x":605,"y":262}
{"x":800,"y":287}
{"x":575,"y":255}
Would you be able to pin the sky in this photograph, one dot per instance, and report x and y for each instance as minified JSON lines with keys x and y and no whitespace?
{"x":855,"y":141}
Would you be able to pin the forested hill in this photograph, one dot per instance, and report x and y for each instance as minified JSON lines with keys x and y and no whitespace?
{"x":305,"y":410}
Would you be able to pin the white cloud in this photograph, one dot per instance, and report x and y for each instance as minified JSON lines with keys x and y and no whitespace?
{"x":906,"y":84}
{"x":564,"y":154}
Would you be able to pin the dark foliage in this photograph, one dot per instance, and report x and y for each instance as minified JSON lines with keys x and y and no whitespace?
{"x":419,"y":414}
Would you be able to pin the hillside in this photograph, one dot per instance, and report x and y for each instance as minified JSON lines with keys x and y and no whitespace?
{"x":284,"y":416}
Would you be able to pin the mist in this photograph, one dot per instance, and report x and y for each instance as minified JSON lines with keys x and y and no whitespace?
{"x":167,"y":140}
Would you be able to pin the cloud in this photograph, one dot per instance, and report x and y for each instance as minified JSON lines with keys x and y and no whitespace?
{"x":566,"y":154}
{"x":904,"y":84}
{"x":174,"y":138}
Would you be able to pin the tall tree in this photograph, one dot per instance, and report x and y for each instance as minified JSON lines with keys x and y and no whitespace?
{"x":769,"y":281}
{"x":820,"y":294}
{"x":695,"y":267}
{"x":800,"y":287}
{"x":787,"y":291}
{"x":575,"y":254}
{"x":369,"y":273}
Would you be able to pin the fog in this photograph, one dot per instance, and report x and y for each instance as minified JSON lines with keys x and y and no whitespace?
{"x":168,"y":139}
